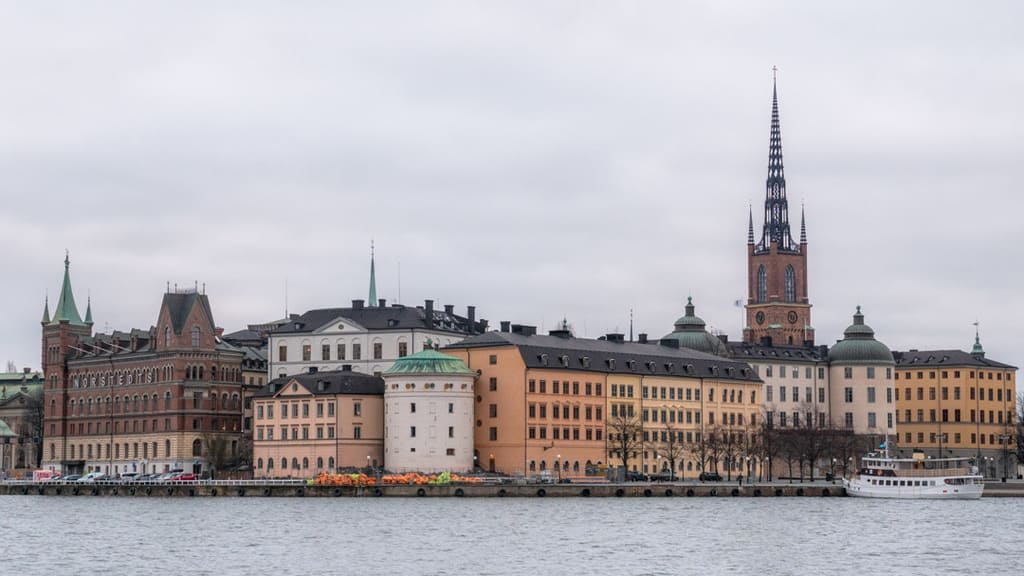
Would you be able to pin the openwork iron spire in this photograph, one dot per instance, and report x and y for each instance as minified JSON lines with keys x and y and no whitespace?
{"x":803,"y":225}
{"x":776,"y":210}
{"x":750,"y":226}
{"x":373,"y":279}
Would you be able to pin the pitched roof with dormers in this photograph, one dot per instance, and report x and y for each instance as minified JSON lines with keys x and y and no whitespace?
{"x":938,"y":358}
{"x":391,"y":317}
{"x":613,"y":357}
{"x":331,"y":382}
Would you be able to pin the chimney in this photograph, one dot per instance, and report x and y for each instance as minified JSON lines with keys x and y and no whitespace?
{"x":524,"y":329}
{"x":26,"y":371}
{"x":428,"y":308}
{"x":449,"y":309}
{"x":483,"y":325}
{"x":357,"y":304}
{"x":471,"y":316}
{"x":611,"y":337}
{"x":505,"y":325}
{"x":382,"y":303}
{"x":643,"y":338}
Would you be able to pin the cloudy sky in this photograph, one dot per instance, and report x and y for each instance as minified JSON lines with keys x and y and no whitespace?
{"x":535,"y":159}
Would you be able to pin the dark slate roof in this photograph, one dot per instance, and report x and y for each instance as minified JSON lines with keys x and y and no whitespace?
{"x":746,"y":351}
{"x":612,"y":357}
{"x":934,"y":358}
{"x":180,"y":304}
{"x":334,"y":382}
{"x":376,"y":318}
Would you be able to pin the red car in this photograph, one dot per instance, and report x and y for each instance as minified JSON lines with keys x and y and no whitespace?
{"x":185,"y":477}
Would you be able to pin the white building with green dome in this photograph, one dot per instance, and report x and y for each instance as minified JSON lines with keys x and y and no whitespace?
{"x":861,"y":374}
{"x":428,"y":414}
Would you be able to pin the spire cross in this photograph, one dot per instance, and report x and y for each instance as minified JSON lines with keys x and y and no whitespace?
{"x":775,"y":70}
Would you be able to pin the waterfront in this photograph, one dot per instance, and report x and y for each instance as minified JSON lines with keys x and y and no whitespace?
{"x":448,"y":536}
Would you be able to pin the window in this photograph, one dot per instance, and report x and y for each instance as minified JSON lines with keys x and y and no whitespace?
{"x":848,"y":394}
{"x":493,"y":384}
{"x":790,"y":284}
{"x":768,"y":393}
{"x":871,"y":394}
{"x":451,"y":431}
{"x":378,"y":350}
{"x":412,"y":407}
{"x":330,"y":408}
{"x":357,"y":432}
{"x":357,"y":352}
{"x":341,"y":351}
{"x":403,"y":349}
{"x":493,"y":409}
{"x":848,"y":419}
{"x":493,"y":359}
{"x":848,"y":372}
{"x":871,"y":420}
{"x":871,"y":372}
{"x":451,"y":407}
{"x":307,"y":354}
{"x":325,"y":352}
{"x":412,"y":431}
{"x":319,"y":409}
{"x":305,"y":410}
{"x":762,"y":284}
{"x":492,"y":434}
{"x":282,"y":353}
{"x":195,"y":336}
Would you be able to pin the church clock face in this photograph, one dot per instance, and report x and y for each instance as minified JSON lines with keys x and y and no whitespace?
{"x":792,"y":317}
{"x":759,"y":317}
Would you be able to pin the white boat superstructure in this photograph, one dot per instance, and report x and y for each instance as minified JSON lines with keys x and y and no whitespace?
{"x":917,"y":477}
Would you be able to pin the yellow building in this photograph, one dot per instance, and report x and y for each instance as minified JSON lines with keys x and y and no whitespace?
{"x":953,"y":403}
{"x":570,"y":407}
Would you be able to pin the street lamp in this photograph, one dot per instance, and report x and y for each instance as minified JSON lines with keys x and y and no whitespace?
{"x":941,"y":436}
{"x":1005,"y":439}
{"x":558,"y":467}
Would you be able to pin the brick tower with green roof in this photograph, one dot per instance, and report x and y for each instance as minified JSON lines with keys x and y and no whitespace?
{"x":60,"y":334}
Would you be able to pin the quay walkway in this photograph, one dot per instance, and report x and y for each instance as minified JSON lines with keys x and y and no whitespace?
{"x":298,"y":488}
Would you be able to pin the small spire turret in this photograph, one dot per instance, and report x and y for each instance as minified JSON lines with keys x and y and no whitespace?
{"x":373,"y":279}
{"x":46,"y":310}
{"x":803,"y":225}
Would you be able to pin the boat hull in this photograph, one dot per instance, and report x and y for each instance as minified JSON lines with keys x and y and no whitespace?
{"x":861,"y":489}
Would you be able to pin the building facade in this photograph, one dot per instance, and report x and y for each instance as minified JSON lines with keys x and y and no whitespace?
{"x":778,"y":306}
{"x":572,"y":407}
{"x":21,"y":409}
{"x":954,"y":403}
{"x":861,"y":372}
{"x":144,"y":400}
{"x":320,"y":422}
{"x":369,"y":338}
{"x":428,"y":414}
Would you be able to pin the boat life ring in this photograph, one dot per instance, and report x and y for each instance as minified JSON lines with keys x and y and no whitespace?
{"x":458,"y":492}
{"x":213,"y":492}
{"x":337,"y":491}
{"x":266,"y":491}
{"x":585,"y":492}
{"x":668,"y":492}
{"x":421,"y":492}
{"x":241,"y":492}
{"x":542,"y":492}
{"x":620,"y":492}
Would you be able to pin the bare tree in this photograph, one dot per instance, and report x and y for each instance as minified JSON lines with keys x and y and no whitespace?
{"x":672,"y":449}
{"x":624,"y":438}
{"x":215,"y":447}
{"x":709,"y":448}
{"x":32,"y":424}
{"x":771,"y":448}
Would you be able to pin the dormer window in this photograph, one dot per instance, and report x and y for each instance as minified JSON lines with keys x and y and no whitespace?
{"x":650,"y":366}
{"x":195,"y":336}
{"x":543,"y":359}
{"x":564,"y":360}
{"x":585,"y":361}
{"x":611,"y":363}
{"x":669,"y":366}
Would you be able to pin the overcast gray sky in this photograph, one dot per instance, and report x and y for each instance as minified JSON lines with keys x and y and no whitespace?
{"x":535,"y":159}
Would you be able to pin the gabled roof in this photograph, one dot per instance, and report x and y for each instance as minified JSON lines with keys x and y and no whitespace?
{"x":750,"y":352}
{"x":179,"y":306}
{"x":939,"y":358}
{"x":612,"y":357}
{"x":331,"y":382}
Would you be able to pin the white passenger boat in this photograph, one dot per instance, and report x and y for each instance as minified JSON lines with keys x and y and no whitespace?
{"x":917,"y":477}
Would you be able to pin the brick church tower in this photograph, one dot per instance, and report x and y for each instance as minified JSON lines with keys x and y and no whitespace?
{"x":777,"y":304}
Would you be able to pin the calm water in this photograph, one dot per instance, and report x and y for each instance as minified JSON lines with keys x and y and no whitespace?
{"x":285,"y":536}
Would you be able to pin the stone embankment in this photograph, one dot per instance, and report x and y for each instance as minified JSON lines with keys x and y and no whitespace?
{"x":257,"y":489}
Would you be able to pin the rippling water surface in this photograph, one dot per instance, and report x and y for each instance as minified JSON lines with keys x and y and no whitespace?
{"x":447,"y":536}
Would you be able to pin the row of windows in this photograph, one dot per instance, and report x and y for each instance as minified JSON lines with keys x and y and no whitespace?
{"x":729,"y":419}
{"x":588,"y":388}
{"x":848,"y":395}
{"x":957,"y":438}
{"x":266,"y":410}
{"x":782,"y":419}
{"x":994,"y":394}
{"x":137,"y":403}
{"x":994,"y":416}
{"x":794,"y":371}
{"x":789,"y":285}
{"x":564,"y":433}
{"x":295,"y":463}
{"x":907,"y":375}
{"x":321,"y":432}
{"x":137,"y":426}
{"x":672,"y":416}
{"x":83,"y":451}
{"x":769,"y":392}
{"x":341,"y":350}
{"x":558,"y":412}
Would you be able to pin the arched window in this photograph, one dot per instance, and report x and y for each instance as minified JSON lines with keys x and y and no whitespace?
{"x":790,"y":284}
{"x":167,"y":400}
{"x":319,"y":462}
{"x":200,"y":373}
{"x":224,"y":401}
{"x":259,"y":463}
{"x":330,"y":462}
{"x":195,"y":336}
{"x":305,"y":463}
{"x":213,"y":373}
{"x":270,"y":463}
{"x":197,"y":447}
{"x":284,"y":463}
{"x":167,"y":448}
{"x":167,"y":336}
{"x":53,"y":407}
{"x":762,"y":284}
{"x":295,"y":463}
{"x":543,"y":466}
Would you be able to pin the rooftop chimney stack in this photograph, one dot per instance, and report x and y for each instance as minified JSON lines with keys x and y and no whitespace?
{"x":449,"y":309}
{"x":471,"y":316}
{"x":428,"y":307}
{"x":506,"y":325}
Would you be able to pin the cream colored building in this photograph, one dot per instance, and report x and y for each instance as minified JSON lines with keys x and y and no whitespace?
{"x":861,"y":377}
{"x":428,"y":414}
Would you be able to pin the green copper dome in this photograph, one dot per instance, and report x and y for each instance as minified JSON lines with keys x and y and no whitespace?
{"x":429,"y":362}
{"x":690,"y":333}
{"x":859,"y":345}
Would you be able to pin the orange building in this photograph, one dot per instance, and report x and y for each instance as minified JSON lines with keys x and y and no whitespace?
{"x":957,"y":404}
{"x":558,"y":405}
{"x":311,"y":423}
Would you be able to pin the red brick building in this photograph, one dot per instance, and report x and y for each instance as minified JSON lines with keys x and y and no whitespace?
{"x":144,"y":400}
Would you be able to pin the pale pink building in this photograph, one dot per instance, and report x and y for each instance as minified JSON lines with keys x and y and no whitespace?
{"x":320,"y":422}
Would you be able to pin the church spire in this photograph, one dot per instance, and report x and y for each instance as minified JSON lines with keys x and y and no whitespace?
{"x":750,"y":226}
{"x":66,"y":309}
{"x":373,"y":279}
{"x":803,"y":225}
{"x":88,"y":311}
{"x":776,"y":210}
{"x":46,"y":311}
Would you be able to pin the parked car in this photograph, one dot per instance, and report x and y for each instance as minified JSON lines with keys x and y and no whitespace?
{"x":710,"y":477}
{"x":92,"y":477}
{"x":147,"y":477}
{"x":169,"y":475}
{"x":70,"y":478}
{"x":184,"y":477}
{"x":129,"y":477}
